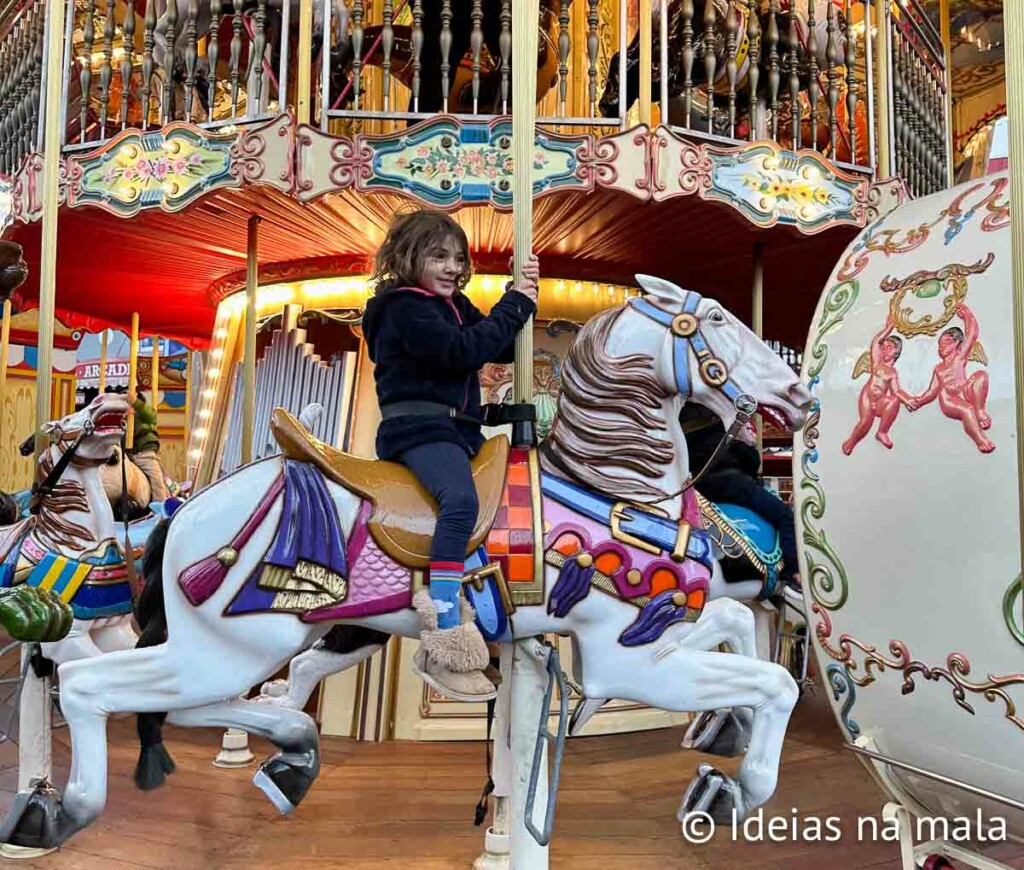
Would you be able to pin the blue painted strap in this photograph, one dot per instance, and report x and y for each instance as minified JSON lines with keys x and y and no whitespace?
{"x":661,"y":532}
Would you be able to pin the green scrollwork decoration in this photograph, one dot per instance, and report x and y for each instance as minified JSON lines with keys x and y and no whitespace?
{"x":827,"y":581}
{"x":839,"y":301}
{"x":1013,"y":609}
{"x":827,"y":578}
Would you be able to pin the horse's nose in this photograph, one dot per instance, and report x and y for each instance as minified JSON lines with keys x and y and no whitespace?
{"x":799,"y":395}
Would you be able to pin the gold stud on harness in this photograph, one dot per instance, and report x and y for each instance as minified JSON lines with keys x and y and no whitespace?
{"x":684,"y":325}
{"x":713,"y":372}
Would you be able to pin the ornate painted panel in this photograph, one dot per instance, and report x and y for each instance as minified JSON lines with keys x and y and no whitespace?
{"x":907,"y":500}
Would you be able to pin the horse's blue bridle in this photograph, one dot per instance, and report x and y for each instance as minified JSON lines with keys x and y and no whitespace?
{"x":686,"y":329}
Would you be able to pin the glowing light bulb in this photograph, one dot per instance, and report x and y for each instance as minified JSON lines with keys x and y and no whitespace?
{"x":222,"y":333}
{"x":200,"y":434}
{"x":213,"y":374}
{"x":209,"y":394}
{"x":195,"y":454}
{"x":206,"y":412}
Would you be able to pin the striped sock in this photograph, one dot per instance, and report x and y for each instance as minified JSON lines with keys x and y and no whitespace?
{"x":445,"y":588}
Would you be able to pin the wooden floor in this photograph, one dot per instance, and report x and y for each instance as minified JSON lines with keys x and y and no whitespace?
{"x":402,"y":805}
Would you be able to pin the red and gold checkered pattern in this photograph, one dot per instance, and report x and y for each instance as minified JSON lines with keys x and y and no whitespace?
{"x":517,"y":524}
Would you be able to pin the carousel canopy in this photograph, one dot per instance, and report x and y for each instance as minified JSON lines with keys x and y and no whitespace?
{"x":173,"y":269}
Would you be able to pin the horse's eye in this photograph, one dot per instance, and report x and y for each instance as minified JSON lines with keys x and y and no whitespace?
{"x":716,"y":316}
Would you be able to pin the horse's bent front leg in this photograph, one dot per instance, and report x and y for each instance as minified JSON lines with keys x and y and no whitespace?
{"x":285,"y":777}
{"x":90,"y":690}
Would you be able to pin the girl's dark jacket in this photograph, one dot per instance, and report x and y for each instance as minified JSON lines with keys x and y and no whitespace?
{"x":429,"y":349}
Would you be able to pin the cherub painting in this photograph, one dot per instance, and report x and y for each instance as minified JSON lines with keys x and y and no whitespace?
{"x":961,"y":397}
{"x":882,"y":395}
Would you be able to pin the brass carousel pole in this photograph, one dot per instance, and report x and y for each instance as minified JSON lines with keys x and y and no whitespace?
{"x":947,"y":46}
{"x":757,"y":323}
{"x":104,"y":341}
{"x":133,"y":378}
{"x":154,"y":378}
{"x":528,"y":668}
{"x":249,"y":359}
{"x":883,"y":79}
{"x":1013,"y":21}
{"x":5,"y":343}
{"x":35,"y":751}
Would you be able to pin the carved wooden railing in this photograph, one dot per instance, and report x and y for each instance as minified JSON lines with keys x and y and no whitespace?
{"x":800,"y":72}
{"x":920,"y":145}
{"x":148,"y":63}
{"x":21,"y":79}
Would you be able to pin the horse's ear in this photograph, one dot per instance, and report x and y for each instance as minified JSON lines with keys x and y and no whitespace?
{"x":661,"y":289}
{"x":28,"y":446}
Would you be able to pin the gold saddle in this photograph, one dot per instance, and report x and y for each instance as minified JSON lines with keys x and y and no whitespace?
{"x":404,"y":513}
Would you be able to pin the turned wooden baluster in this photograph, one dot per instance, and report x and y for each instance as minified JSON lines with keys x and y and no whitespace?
{"x":35,"y":88}
{"x":387,"y":42}
{"x":851,"y":83}
{"x":148,"y":41}
{"x":85,"y":76}
{"x":754,"y":38}
{"x":357,"y":52}
{"x":417,"y":52}
{"x":709,"y":58}
{"x":5,"y":91}
{"x":900,"y":110}
{"x":505,"y":48}
{"x":774,"y":78}
{"x":688,"y":56}
{"x":106,"y":68}
{"x":19,"y":116}
{"x":236,"y":56}
{"x":167,"y":108}
{"x":127,"y":62}
{"x":446,"y":50}
{"x":7,"y":109}
{"x":563,"y":55}
{"x":731,"y":40}
{"x":213,"y":54}
{"x":191,"y":54}
{"x":25,"y":89}
{"x":831,"y":56}
{"x":476,"y":44}
{"x":593,"y":45}
{"x":794,"y":75}
{"x":257,"y":50}
{"x":813,"y":88}
{"x":922,"y":144}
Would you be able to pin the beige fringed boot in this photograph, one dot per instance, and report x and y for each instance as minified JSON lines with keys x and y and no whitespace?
{"x":452,"y":660}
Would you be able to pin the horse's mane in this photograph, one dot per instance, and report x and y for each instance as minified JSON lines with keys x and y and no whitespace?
{"x":52,"y":529}
{"x":609,"y":416}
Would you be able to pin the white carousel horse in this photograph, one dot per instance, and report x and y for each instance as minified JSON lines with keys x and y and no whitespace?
{"x":626,"y":575}
{"x":71,"y":546}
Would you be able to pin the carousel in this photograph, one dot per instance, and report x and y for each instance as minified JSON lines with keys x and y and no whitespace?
{"x":220,"y":176}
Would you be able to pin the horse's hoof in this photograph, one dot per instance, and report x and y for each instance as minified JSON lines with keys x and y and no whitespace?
{"x":36,"y":823}
{"x":717,"y":732}
{"x":585,"y":709}
{"x":285,"y":782}
{"x":714,"y":794}
{"x":154,"y":764}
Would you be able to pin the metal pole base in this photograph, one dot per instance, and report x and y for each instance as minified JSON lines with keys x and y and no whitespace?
{"x":234,"y":750}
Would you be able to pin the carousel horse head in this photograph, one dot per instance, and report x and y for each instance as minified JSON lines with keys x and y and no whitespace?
{"x":97,"y":429}
{"x":707,"y":356}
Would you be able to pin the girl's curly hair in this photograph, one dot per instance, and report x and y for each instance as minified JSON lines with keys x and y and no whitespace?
{"x":410,"y":239}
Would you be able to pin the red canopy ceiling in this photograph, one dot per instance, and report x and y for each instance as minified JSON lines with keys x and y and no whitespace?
{"x":164,"y":265}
